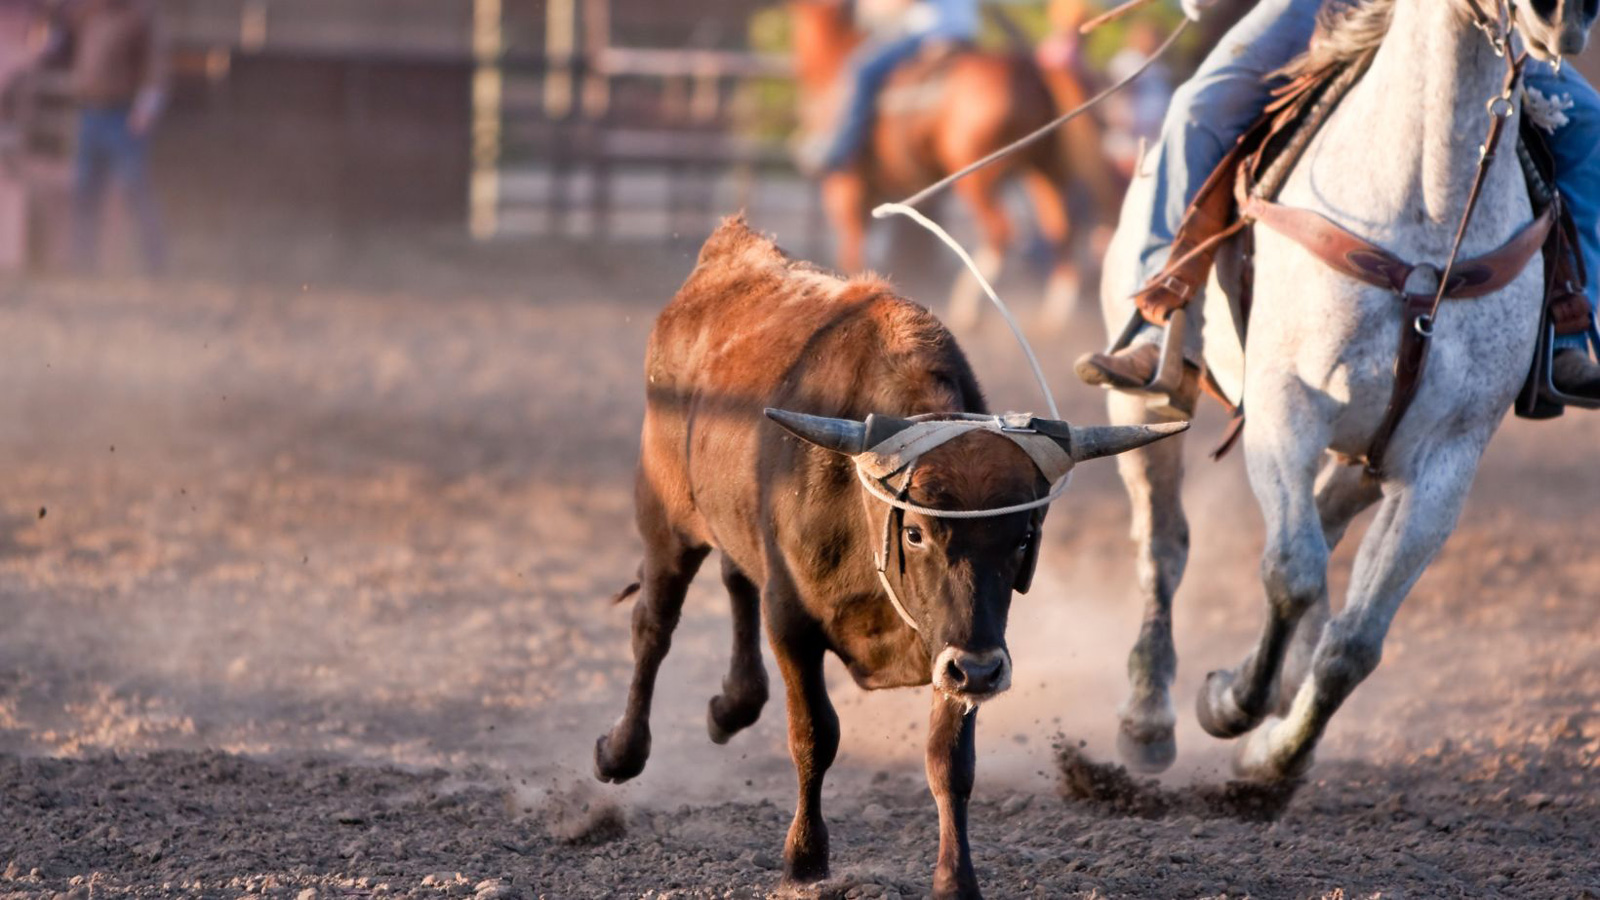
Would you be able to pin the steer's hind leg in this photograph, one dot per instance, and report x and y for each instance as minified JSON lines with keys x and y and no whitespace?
{"x":744,"y":691}
{"x":798,"y":645}
{"x":1411,"y":526}
{"x":952,"y":768}
{"x":1153,"y":476}
{"x":670,"y":564}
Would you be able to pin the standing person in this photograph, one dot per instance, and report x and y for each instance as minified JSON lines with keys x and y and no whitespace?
{"x":115,"y":52}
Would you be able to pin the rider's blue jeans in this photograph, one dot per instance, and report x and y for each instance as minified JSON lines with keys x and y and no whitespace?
{"x":1229,"y":92}
{"x":870,"y":69}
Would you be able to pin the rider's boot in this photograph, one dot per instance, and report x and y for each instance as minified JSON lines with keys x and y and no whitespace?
{"x":1133,"y":368}
{"x":1573,"y":372}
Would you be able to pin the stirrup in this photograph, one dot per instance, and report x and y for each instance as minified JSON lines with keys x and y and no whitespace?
{"x":1547,"y":385}
{"x":1162,"y":387}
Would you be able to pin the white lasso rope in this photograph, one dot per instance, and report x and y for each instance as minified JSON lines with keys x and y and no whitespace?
{"x":906,"y":206}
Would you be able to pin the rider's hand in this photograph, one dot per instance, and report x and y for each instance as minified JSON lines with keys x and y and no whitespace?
{"x":1193,"y":8}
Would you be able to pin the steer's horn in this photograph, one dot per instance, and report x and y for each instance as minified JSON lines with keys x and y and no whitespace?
{"x":845,"y":436}
{"x":1095,"y":441}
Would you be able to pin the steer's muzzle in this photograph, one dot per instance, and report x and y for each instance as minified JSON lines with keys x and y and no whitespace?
{"x":972,"y":677}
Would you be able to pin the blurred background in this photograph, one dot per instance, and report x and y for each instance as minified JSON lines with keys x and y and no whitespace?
{"x":350,"y":480}
{"x":307,"y":126}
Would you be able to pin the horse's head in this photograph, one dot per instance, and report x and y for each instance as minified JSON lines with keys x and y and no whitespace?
{"x":1556,"y":28}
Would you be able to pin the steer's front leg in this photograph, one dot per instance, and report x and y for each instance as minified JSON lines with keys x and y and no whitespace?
{"x":952,"y":766}
{"x":813,"y":741}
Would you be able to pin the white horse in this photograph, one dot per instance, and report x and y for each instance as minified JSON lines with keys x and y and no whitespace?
{"x":1394,"y":164}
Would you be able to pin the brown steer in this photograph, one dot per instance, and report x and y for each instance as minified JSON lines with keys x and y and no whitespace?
{"x":751,"y":330}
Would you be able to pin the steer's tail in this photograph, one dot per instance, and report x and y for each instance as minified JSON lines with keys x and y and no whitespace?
{"x":630,"y":590}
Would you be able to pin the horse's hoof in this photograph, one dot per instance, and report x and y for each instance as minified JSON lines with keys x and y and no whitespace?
{"x":612,"y":767}
{"x":1149,"y":754}
{"x":1256,"y":759}
{"x":726,"y":718}
{"x":1218,"y":712}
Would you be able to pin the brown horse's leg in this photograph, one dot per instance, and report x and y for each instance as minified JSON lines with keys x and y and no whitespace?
{"x":980,"y":191}
{"x":844,"y":197}
{"x":1050,"y":210}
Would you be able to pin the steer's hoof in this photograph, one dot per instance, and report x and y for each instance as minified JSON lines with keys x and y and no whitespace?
{"x":613,"y":766}
{"x":1218,"y":712}
{"x":726,"y":717}
{"x":1147,"y":754}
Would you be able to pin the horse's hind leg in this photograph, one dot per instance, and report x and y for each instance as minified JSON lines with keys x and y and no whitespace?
{"x":980,"y":190}
{"x":1153,"y":476}
{"x":744,"y":691}
{"x":1050,"y":210}
{"x":1411,"y":526}
{"x":1294,"y":566}
{"x":670,"y":564}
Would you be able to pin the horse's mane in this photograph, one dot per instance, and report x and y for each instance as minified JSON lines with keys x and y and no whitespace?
{"x":1347,"y":31}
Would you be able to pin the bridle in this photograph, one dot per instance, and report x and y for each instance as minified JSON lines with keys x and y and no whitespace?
{"x":880,"y":466}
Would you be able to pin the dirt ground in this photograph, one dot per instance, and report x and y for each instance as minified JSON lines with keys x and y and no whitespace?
{"x":303,"y":593}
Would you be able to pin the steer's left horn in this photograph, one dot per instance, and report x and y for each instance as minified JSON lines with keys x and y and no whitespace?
{"x":845,"y":436}
{"x":1095,"y":441}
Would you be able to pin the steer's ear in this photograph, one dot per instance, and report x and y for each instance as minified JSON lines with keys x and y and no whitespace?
{"x":1095,"y":441}
{"x":845,"y":436}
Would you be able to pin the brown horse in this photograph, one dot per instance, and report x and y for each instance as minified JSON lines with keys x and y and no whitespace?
{"x":934,"y":118}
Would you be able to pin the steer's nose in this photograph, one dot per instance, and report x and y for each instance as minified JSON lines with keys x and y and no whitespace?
{"x":973,"y":673}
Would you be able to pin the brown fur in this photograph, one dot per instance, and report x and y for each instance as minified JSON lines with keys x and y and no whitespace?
{"x":752,"y":329}
{"x":986,"y":101}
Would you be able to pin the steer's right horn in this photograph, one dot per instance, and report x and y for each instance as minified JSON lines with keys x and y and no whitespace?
{"x":1095,"y":441}
{"x":845,"y":436}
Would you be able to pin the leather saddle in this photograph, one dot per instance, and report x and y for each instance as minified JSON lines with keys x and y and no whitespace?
{"x":1241,"y":190}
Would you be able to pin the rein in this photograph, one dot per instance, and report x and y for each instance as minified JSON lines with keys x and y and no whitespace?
{"x":1417,"y":339}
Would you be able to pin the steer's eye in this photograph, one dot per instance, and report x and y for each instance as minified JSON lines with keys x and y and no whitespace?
{"x":1025,"y":543}
{"x":914,"y":536}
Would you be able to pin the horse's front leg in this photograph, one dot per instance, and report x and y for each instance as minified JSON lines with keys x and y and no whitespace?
{"x":1412,"y":524}
{"x":952,"y":765}
{"x":1343,"y":492}
{"x":1153,"y":476}
{"x":1282,"y":459}
{"x":844,"y":199}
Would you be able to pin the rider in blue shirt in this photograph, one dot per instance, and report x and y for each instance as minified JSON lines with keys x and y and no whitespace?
{"x":1229,"y":92}
{"x":925,"y":22}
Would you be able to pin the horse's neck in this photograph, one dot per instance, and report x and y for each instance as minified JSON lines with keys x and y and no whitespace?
{"x":1403,"y":149}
